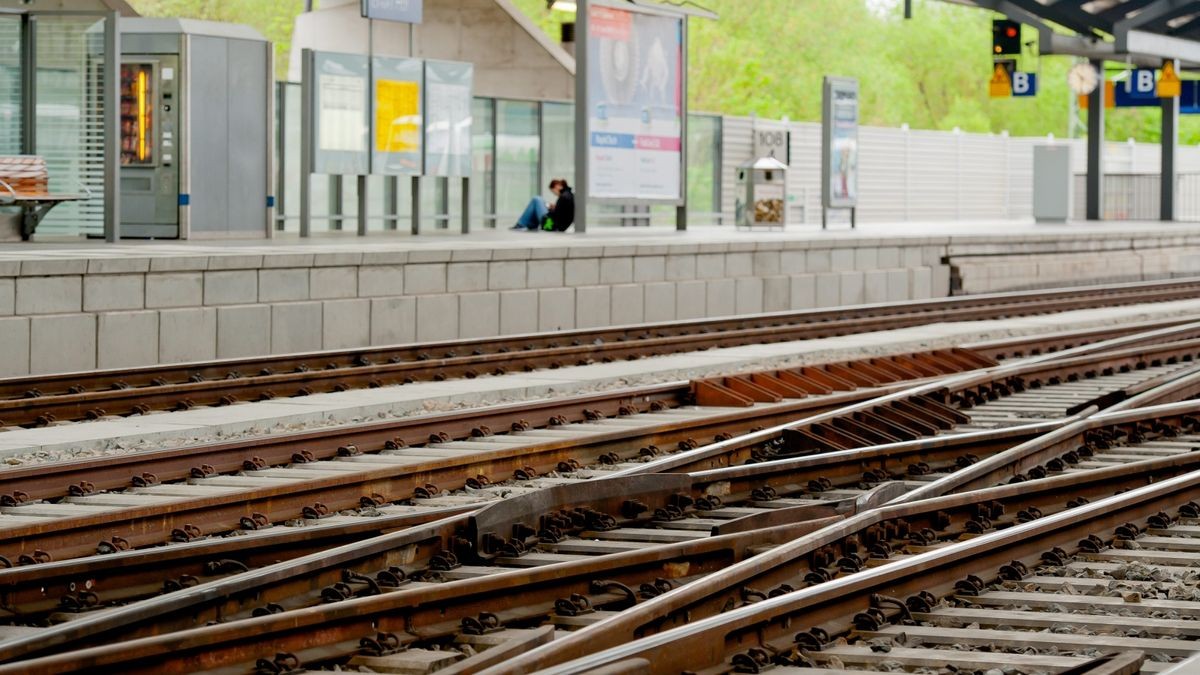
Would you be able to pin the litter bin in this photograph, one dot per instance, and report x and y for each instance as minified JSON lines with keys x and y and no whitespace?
{"x":762,"y":193}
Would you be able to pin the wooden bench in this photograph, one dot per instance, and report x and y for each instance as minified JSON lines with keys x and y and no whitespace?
{"x":25,"y":182}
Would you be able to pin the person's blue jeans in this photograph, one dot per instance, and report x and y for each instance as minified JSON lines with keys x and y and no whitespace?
{"x":534,"y":214}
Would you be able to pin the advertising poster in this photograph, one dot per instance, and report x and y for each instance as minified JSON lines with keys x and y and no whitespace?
{"x":635,"y":105}
{"x":448,"y":118}
{"x":840,"y":142}
{"x":396,"y":148}
{"x":341,"y":113}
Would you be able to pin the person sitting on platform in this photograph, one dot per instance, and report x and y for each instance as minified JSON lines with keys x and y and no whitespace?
{"x":556,"y":217}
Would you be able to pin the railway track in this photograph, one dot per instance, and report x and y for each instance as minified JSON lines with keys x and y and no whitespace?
{"x":110,"y":504}
{"x":1110,"y":579}
{"x":306,"y":522}
{"x":1070,"y":466}
{"x":470,"y":620}
{"x":47,"y":399}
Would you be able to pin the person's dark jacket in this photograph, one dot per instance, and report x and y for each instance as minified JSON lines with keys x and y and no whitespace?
{"x":564,"y":210}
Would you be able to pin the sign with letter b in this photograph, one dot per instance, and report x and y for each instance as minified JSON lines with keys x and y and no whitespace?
{"x":1024,"y":84}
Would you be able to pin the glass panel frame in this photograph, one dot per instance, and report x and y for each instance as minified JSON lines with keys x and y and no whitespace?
{"x":483,"y":163}
{"x":518,"y":155}
{"x":69,"y":117}
{"x":12,"y":95}
{"x":704,"y":168}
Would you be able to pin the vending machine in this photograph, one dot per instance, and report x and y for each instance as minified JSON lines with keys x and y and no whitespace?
{"x":149,"y":155}
{"x":197,"y":111}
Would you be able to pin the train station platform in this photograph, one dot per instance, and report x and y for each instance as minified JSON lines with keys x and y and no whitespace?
{"x":72,"y":305}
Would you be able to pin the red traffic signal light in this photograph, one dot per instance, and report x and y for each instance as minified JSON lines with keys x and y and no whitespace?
{"x":1006,"y":37}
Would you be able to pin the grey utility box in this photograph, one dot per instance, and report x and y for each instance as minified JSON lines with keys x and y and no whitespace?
{"x":196,"y":129}
{"x":1053,"y":183}
{"x":762,"y":193}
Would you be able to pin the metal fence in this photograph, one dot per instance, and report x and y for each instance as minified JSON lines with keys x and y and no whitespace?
{"x":1135,"y":196}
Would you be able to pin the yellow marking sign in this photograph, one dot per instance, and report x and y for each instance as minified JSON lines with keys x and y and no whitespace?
{"x":1000,"y":86}
{"x":1168,"y":82}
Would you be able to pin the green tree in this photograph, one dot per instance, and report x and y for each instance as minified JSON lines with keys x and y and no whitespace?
{"x":273,"y":18}
{"x":768,"y":57}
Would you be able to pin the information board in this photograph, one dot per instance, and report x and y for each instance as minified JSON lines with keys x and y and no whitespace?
{"x":404,"y":11}
{"x":635,"y":105}
{"x":448,"y":118}
{"x":397,"y":136}
{"x":340,"y":113}
{"x":839,"y":143}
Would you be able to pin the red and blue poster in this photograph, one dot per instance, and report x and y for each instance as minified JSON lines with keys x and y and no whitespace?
{"x":635,"y":105}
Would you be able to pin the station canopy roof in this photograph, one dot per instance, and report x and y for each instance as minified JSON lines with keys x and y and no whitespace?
{"x":1142,"y":32}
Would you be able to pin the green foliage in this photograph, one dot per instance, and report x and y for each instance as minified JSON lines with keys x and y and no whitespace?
{"x":767,"y":57}
{"x":930,"y":72}
{"x":273,"y":18}
{"x":548,"y":21}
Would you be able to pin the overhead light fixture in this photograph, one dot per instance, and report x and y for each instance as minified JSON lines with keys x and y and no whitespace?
{"x":562,"y":5}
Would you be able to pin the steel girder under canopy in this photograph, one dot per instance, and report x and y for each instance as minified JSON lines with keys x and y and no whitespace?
{"x":1143,"y":32}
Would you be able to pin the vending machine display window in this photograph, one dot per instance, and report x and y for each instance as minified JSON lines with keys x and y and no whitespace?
{"x":137,"y":115}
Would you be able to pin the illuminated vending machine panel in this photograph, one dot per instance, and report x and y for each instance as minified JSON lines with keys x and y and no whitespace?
{"x":149,"y":119}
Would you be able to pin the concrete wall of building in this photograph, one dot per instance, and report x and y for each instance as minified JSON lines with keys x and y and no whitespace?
{"x":63,"y":313}
{"x":512,"y":57}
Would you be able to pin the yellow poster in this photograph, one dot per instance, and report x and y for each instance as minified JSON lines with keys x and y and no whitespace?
{"x":397,"y":116}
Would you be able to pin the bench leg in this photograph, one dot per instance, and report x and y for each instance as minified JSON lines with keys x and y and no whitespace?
{"x":32,"y":215}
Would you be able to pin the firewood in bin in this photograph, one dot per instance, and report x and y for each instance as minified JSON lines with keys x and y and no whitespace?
{"x":768,"y":211}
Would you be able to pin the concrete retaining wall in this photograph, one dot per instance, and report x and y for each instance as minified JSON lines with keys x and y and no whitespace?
{"x":114,"y":307}
{"x":1019,"y":265}
{"x":69,"y":314}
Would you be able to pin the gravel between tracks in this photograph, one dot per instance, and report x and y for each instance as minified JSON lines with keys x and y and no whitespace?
{"x":246,"y":420}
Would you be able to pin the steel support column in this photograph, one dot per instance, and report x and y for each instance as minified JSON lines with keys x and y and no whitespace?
{"x":1170,"y":144}
{"x":681,"y":211}
{"x":582,"y":133}
{"x":307,"y":104}
{"x":112,"y":127}
{"x":1095,"y":147}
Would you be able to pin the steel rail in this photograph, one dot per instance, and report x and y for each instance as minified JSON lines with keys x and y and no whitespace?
{"x":1039,"y":344}
{"x":60,"y":538}
{"x":1076,"y":441}
{"x":330,"y":632}
{"x":965,"y":389}
{"x":877,"y":535}
{"x":937,"y":463}
{"x":42,"y":399}
{"x":775,"y":624}
{"x":757,"y":483}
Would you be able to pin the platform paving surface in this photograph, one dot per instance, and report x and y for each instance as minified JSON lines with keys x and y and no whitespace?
{"x":173,"y":429}
{"x":1012,"y":232}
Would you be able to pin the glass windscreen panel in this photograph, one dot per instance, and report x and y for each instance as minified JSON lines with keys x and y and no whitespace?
{"x":11,"y":109}
{"x":137,"y":115}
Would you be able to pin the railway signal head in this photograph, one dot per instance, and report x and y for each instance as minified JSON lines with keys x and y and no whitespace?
{"x":1006,"y":36}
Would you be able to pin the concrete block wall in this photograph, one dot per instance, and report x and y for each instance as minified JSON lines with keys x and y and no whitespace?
{"x":984,"y":266}
{"x":110,"y":308}
{"x":60,"y":314}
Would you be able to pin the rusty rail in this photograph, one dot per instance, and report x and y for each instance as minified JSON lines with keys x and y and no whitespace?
{"x":808,"y":619}
{"x":313,"y":635}
{"x":43,"y":399}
